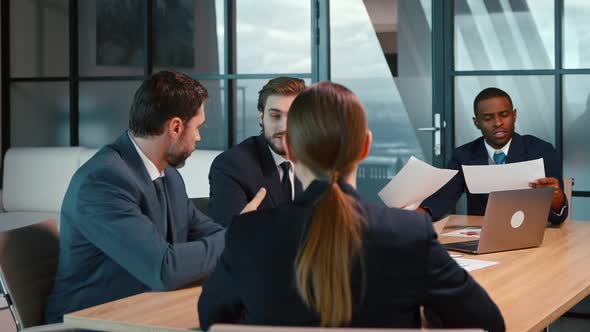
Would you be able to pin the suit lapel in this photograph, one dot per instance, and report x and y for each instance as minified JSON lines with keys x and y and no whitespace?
{"x":128,"y":153}
{"x":516,"y":153}
{"x":270,"y":173}
{"x":298,"y":187}
{"x":480,"y":155}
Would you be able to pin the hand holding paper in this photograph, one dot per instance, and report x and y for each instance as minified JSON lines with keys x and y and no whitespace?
{"x":487,"y":178}
{"x":413,"y":183}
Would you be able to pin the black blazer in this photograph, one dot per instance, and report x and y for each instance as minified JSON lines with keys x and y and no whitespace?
{"x":404,"y":267}
{"x":237,"y":174}
{"x":522,"y":148}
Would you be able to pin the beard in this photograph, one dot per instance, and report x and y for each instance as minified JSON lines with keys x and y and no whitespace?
{"x":275,"y":142}
{"x":176,"y":158}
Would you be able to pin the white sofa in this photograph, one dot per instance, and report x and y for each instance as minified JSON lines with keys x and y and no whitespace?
{"x":35,"y":181}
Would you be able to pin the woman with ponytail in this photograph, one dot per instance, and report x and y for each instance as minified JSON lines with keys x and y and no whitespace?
{"x":329,"y":258}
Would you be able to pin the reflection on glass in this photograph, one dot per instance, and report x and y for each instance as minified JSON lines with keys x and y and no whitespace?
{"x":104,"y":111}
{"x":214,"y":132}
{"x":576,"y":34}
{"x":247,"y":110}
{"x":40,"y":114}
{"x":385,"y":59}
{"x":189,"y":36}
{"x":532,"y":97}
{"x":580,"y":210}
{"x":576,"y":120}
{"x":504,"y":34}
{"x":273,"y":36}
{"x":111,"y":37}
{"x":39,"y":38}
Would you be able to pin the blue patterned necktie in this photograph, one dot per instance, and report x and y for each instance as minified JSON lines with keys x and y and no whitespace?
{"x":499,"y":157}
{"x":286,"y":182}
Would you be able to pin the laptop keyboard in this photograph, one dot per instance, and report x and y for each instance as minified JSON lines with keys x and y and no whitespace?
{"x":466,"y":245}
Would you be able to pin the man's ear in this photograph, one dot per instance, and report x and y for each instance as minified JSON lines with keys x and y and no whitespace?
{"x":288,"y":149}
{"x":175,"y":127}
{"x":475,"y":122}
{"x":514,"y":115}
{"x":260,"y":115}
{"x":367,"y":145}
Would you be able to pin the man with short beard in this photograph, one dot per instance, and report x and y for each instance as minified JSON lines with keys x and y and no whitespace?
{"x":127,"y":224}
{"x":259,"y":161}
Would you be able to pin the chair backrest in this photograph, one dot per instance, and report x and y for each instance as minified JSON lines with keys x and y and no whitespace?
{"x":195,"y":172}
{"x":36,"y":179}
{"x":568,"y":184}
{"x":202,"y":203}
{"x":28,"y":262}
{"x":258,"y":328}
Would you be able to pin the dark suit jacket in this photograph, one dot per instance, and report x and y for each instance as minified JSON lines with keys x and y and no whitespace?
{"x":404,"y":267}
{"x":111,"y":234}
{"x":522,"y":148}
{"x":236,"y":176}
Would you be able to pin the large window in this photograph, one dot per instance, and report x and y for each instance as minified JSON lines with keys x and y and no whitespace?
{"x":75,"y":65}
{"x":381,"y":50}
{"x":536,"y":51}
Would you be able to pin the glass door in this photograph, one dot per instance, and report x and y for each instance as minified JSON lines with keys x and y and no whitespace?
{"x":382,"y":50}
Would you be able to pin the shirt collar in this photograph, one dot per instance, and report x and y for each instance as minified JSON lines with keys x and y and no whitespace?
{"x":149,"y":165}
{"x":491,"y":150}
{"x":277,"y":157}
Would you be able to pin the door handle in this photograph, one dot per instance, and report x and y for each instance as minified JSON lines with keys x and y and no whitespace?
{"x":436,"y":131}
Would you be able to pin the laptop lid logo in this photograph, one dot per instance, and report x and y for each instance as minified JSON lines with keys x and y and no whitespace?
{"x":517,"y":219}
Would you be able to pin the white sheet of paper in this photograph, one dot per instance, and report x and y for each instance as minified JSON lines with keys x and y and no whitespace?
{"x":471,"y":232}
{"x":440,"y":225}
{"x":483,"y":179}
{"x":413,"y":183}
{"x":473,"y":264}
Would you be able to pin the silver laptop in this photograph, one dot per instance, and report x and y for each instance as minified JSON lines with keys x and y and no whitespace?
{"x":514,"y":219}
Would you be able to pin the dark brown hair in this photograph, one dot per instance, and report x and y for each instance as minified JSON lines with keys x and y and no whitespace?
{"x":163,"y":96}
{"x":326,"y":131}
{"x":282,"y":86}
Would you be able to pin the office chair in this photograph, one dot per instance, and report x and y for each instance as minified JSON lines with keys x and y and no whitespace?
{"x":202,"y":203}
{"x":28,"y":262}
{"x":568,"y":184}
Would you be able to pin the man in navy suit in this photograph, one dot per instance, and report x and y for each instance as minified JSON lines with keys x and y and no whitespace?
{"x":495,"y":117}
{"x":127,"y":225}
{"x":259,"y":161}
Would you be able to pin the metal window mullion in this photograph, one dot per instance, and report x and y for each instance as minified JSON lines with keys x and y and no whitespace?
{"x":5,"y":49}
{"x":558,"y":4}
{"x":150,"y":37}
{"x":74,"y":74}
{"x":230,"y":69}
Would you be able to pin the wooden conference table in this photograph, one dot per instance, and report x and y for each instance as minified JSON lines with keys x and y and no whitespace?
{"x":532,"y":287}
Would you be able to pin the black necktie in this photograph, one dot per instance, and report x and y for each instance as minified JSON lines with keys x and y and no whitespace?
{"x":161,"y":190}
{"x":286,"y":182}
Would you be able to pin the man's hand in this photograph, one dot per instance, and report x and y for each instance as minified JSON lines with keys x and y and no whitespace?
{"x":558,"y":197}
{"x":425,"y":210}
{"x":255,"y":202}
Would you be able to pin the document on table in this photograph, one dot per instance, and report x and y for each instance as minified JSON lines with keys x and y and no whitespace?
{"x":413,"y":183}
{"x":472,"y":264}
{"x":470,"y":232}
{"x":487,"y":178}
